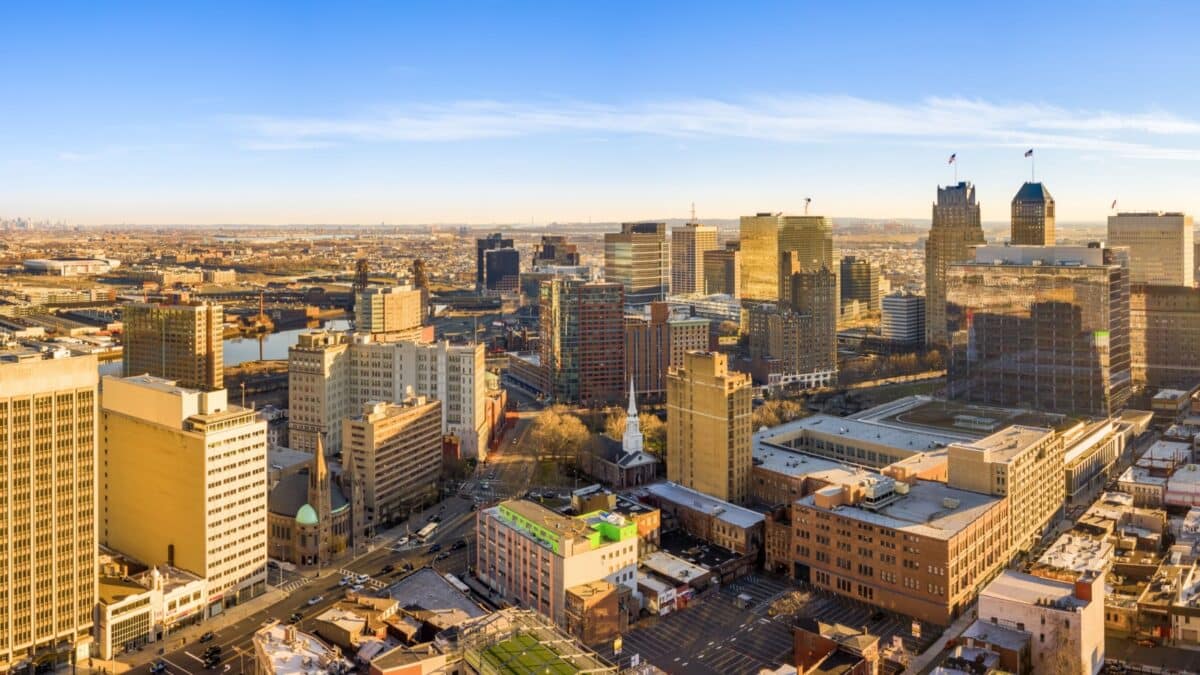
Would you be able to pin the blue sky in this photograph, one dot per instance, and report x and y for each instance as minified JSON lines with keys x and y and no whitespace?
{"x":488,"y":112}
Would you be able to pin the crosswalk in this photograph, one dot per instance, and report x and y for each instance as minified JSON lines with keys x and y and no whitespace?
{"x":372,"y":583}
{"x":295,"y":584}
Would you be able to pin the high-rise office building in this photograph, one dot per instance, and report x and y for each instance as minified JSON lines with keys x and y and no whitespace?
{"x":482,"y":245}
{"x":723,"y":270}
{"x":815,"y":293}
{"x":185,"y":484}
{"x":396,"y":450}
{"x":708,"y":427}
{"x":860,"y":282}
{"x":555,"y":251}
{"x":48,"y":439}
{"x":1161,"y":247}
{"x":759,"y":242}
{"x":1033,"y":216}
{"x":1041,"y":327}
{"x":903,"y":319}
{"x":332,"y":375}
{"x":582,"y":328}
{"x":955,"y":231}
{"x":689,"y":243}
{"x":638,"y":258}
{"x":811,"y":237}
{"x":501,"y":270}
{"x":389,"y":313}
{"x":1164,"y":335}
{"x":179,"y":340}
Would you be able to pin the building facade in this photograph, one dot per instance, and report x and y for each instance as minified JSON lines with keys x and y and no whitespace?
{"x":955,"y":231}
{"x":179,"y":340}
{"x":657,"y":343}
{"x":1164,"y":323}
{"x":1041,"y":327}
{"x":396,"y":449}
{"x":708,"y":427}
{"x":582,"y":341}
{"x":185,"y":484}
{"x":759,"y":242}
{"x":1161,"y":247}
{"x":860,"y":282}
{"x":532,"y":555}
{"x":389,"y":313}
{"x":491,"y":242}
{"x":48,"y":585}
{"x":1032,"y":216}
{"x":903,"y":319}
{"x":315,"y":516}
{"x":723,"y":271}
{"x":638,"y":258}
{"x":689,"y":244}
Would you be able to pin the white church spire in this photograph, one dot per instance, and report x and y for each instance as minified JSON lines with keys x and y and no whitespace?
{"x":631,"y":442}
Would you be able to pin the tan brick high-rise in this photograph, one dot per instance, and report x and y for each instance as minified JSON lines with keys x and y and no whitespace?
{"x":709,"y":427}
{"x":47,"y":506}
{"x":179,"y":341}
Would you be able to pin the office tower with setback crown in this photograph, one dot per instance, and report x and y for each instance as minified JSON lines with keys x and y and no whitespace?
{"x":1033,"y":216}
{"x":1041,"y":327}
{"x":956,"y":230}
{"x":48,"y":438}
{"x":708,"y":427}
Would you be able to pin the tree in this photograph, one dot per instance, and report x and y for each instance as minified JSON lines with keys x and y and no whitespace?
{"x":558,"y":434}
{"x":654,"y":433}
{"x":776,"y":412}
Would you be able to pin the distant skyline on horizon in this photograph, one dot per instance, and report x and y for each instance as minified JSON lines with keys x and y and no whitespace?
{"x":276,"y":114}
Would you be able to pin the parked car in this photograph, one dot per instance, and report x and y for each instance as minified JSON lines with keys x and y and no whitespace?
{"x":357,"y":588}
{"x":315,"y":600}
{"x":158,"y":667}
{"x":458,"y":545}
{"x":207,"y":637}
{"x":402,"y":541}
{"x":387,"y":569}
{"x":344,"y":582}
{"x":295,"y":618}
{"x":213,"y":649}
{"x":442,"y":556}
{"x":435,"y":548}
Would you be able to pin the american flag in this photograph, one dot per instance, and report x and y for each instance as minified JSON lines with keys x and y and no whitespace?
{"x":953,"y":156}
{"x":1114,"y":204}
{"x":1029,"y":152}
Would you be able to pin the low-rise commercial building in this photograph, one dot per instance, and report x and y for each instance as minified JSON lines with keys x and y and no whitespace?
{"x":727,"y":525}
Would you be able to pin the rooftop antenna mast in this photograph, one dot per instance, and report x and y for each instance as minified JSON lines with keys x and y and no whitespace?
{"x":807,"y":201}
{"x":693,"y":212}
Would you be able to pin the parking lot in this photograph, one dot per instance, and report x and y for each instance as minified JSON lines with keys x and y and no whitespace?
{"x":715,"y":635}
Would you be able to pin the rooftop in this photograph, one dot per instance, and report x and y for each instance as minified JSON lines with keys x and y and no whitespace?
{"x":893,"y":436}
{"x":427,"y":590}
{"x":730,"y":513}
{"x":926,"y":510}
{"x":1077,"y":553}
{"x":995,"y":634}
{"x":1033,"y":192}
{"x":1030,"y":590}
{"x":291,"y":652}
{"x":672,"y":567}
{"x":1006,"y":444}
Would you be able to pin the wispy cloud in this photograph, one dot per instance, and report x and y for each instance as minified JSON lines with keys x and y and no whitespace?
{"x":790,"y":119}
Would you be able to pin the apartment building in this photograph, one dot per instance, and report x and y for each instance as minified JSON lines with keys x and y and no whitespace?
{"x":1023,"y":463}
{"x":654,"y":345}
{"x":396,"y":450}
{"x":532,"y":555}
{"x":185,"y":484}
{"x":48,"y":585}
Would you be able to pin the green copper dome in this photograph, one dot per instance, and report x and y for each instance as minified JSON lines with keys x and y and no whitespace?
{"x":307,"y":515}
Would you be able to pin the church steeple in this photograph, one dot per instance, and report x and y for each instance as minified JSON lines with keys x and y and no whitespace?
{"x":631,"y":442}
{"x":320,"y":497}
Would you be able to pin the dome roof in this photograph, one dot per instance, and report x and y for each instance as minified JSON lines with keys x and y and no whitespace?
{"x":307,"y":515}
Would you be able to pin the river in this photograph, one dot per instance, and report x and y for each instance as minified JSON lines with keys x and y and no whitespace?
{"x":241,"y":349}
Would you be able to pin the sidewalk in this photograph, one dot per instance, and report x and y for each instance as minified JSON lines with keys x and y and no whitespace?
{"x":924,"y":661}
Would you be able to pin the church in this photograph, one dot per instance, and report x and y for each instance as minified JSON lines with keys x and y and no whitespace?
{"x":625,"y":464}
{"x":315,"y":516}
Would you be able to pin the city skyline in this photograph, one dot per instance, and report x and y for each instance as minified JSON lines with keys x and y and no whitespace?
{"x":257,"y":115}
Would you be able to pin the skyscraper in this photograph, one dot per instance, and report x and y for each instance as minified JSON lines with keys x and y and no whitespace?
{"x":903,"y":319}
{"x":1161,"y":247}
{"x":860,"y":282}
{"x":759,"y":241}
{"x":956,"y":229}
{"x":582,"y":340}
{"x":491,"y":242}
{"x":179,"y":340}
{"x":811,"y":237}
{"x":689,"y":243}
{"x":723,"y":270}
{"x":1033,"y":216}
{"x":638,"y":258}
{"x":708,"y":427}
{"x":554,"y":250}
{"x":501,"y":270}
{"x":48,"y":440}
{"x":165,"y":447}
{"x":1041,"y":327}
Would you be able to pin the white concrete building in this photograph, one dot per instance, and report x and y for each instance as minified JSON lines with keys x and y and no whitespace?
{"x":903,"y":318}
{"x":1065,"y":620}
{"x":332,"y":375}
{"x":284,"y":650}
{"x":1160,"y":246}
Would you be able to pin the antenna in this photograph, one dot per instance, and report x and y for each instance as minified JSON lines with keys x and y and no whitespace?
{"x":807,"y":201}
{"x":693,"y":212}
